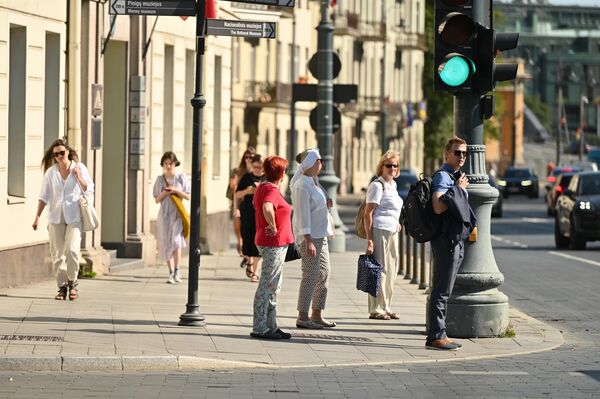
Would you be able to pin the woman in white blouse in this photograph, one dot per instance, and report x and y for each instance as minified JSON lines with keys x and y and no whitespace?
{"x":312,"y":227}
{"x":65,"y":181}
{"x":382,"y":215}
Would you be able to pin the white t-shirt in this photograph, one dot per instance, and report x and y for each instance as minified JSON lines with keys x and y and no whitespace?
{"x":389,"y":204}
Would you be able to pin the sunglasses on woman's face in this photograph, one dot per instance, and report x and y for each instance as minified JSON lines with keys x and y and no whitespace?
{"x":60,"y":153}
{"x":391,"y":165}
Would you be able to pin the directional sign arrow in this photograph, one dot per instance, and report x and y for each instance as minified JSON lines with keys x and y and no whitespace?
{"x":118,"y":6}
{"x":269,"y":30}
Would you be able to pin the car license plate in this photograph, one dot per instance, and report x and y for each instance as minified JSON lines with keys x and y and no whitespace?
{"x":513,"y":189}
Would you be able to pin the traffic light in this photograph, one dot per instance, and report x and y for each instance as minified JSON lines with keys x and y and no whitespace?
{"x":455,"y":39}
{"x":489,"y":45}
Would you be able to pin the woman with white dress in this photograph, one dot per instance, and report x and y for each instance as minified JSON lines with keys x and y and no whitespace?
{"x":169,"y":222}
{"x":65,"y":181}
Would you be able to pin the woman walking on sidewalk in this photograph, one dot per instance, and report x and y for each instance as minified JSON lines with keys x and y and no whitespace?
{"x":273,"y":235}
{"x":169,"y":222}
{"x":382,"y":215}
{"x":65,"y":181}
{"x":312,"y":227}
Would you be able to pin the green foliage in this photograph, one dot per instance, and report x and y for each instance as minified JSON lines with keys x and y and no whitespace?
{"x":508,"y":333}
{"x":540,"y":109}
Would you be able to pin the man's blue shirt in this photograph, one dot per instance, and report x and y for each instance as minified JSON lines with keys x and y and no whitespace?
{"x":442,"y":182}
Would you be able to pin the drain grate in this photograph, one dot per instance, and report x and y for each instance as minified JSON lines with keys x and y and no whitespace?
{"x":36,"y":338}
{"x":332,"y":337}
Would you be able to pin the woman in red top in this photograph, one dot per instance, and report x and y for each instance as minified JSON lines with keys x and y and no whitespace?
{"x":273,"y":235}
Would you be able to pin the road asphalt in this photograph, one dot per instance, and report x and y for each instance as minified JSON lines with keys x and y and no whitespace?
{"x":127,"y":321}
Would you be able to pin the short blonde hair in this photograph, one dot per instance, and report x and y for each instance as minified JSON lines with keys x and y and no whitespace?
{"x":390,"y":154}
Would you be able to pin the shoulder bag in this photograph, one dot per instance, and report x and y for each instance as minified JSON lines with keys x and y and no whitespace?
{"x":185,"y":218}
{"x":89,"y":217}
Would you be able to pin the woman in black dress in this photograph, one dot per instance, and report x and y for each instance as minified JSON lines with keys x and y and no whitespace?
{"x":245,"y":193}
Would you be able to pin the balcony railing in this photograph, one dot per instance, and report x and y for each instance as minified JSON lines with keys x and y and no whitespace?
{"x":369,"y":105}
{"x":267,"y":93}
{"x":346,"y":23}
{"x":411,"y":41}
{"x":372,"y":30}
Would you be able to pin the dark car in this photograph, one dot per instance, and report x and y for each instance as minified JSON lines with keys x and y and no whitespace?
{"x":562,"y":182}
{"x":403,"y":183}
{"x":520,"y":181}
{"x":578,"y":212}
{"x":497,"y":207}
{"x":551,"y":179}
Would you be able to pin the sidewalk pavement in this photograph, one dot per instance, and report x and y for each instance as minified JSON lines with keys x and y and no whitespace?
{"x":128,"y":321}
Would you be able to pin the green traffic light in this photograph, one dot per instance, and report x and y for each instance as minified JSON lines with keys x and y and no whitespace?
{"x":455,"y":71}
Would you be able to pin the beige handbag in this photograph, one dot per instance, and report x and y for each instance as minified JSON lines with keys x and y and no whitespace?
{"x":89,"y":218}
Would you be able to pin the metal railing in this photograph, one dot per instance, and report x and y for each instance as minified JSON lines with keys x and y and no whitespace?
{"x":268,"y":93}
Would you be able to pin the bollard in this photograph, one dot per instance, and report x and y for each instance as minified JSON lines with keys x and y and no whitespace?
{"x":401,"y":253}
{"x":408,"y":246}
{"x":416,"y":270}
{"x":425,"y":265}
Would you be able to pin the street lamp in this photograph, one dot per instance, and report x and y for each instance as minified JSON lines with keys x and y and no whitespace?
{"x":584,"y":100}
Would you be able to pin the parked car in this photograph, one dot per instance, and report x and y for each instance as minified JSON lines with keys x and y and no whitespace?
{"x":517,"y":180}
{"x":562,"y":182}
{"x":404,"y":181}
{"x":594,"y":156}
{"x":497,"y":207}
{"x":578,"y":212}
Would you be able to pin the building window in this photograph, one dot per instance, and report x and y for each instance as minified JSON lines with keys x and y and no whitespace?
{"x":398,"y":59}
{"x":217,"y":119}
{"x":168,"y":99}
{"x":52,"y":89}
{"x":17,"y":73}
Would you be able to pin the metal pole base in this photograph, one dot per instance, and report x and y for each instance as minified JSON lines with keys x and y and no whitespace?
{"x":192,"y":318}
{"x":338,"y":244}
{"x":477,"y":315}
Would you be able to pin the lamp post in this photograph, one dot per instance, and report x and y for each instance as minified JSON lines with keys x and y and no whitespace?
{"x":584,"y":100}
{"x":328,"y":179}
{"x":192,"y":315}
{"x":293,"y":147}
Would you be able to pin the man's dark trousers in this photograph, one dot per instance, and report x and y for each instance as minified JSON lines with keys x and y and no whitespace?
{"x":446,"y":261}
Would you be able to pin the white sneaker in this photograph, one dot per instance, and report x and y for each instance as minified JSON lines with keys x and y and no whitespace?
{"x":178,"y":276}
{"x":171,"y":279}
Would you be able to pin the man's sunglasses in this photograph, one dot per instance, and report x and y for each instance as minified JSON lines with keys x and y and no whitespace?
{"x":458,"y":153}
{"x":59,"y":153}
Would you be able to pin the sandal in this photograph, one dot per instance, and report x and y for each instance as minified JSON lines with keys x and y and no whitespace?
{"x":379,"y":316}
{"x":62,"y":293}
{"x":325,"y":323}
{"x":73,"y":292}
{"x":249,"y":272}
{"x":393,"y":315}
{"x":254,"y":278}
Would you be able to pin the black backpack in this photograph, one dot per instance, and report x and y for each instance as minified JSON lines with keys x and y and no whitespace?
{"x":418,"y":217}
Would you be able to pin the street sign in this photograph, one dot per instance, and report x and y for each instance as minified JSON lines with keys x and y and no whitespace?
{"x":280,"y":3}
{"x":255,"y":29}
{"x":313,"y":65}
{"x":342,"y":93}
{"x":154,"y":7}
{"x":336,"y":115}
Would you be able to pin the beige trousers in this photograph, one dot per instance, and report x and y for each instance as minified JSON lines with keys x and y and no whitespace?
{"x":65,"y":243}
{"x":385,"y":251}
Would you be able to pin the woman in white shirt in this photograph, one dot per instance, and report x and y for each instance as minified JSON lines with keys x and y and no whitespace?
{"x":312,"y":227}
{"x":65,"y":181}
{"x":382,"y":215}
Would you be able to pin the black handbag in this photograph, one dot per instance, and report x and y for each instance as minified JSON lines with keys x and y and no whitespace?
{"x":292,"y":253}
{"x":368,"y":277}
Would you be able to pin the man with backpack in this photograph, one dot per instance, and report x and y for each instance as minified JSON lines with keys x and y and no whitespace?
{"x":449,"y":199}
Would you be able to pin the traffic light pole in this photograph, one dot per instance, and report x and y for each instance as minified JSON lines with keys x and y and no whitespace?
{"x":328,"y":179}
{"x":476,"y":308}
